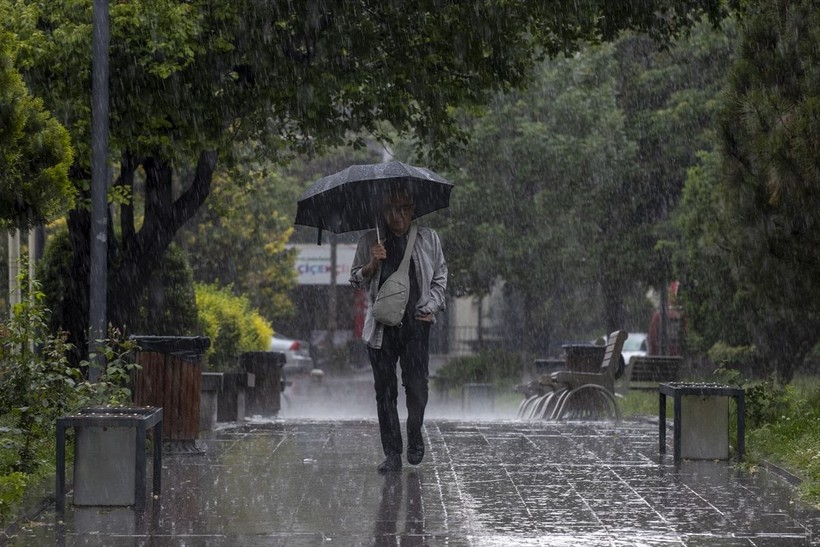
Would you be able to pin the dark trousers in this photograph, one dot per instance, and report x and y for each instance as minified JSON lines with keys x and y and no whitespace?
{"x":407,"y":343}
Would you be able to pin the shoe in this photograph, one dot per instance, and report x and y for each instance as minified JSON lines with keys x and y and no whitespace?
{"x":415,"y":450}
{"x":390,"y":465}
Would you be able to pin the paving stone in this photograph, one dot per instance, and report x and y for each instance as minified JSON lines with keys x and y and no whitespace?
{"x":304,"y":481}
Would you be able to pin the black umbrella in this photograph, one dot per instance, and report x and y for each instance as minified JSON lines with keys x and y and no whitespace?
{"x":352,"y":199}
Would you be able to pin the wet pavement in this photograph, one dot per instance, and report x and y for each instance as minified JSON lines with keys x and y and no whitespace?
{"x":308,"y":477}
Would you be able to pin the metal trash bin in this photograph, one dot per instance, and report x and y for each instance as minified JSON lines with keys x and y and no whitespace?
{"x":109,"y":455}
{"x":170,"y":376}
{"x":265,"y":397}
{"x":701,"y":420}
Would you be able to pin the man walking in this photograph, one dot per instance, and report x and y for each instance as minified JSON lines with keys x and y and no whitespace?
{"x":408,"y":342}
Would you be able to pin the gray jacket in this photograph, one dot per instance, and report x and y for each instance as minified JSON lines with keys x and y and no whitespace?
{"x":431,"y":274}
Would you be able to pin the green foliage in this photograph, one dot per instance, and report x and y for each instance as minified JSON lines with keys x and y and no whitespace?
{"x":35,"y":152}
{"x":115,"y":354}
{"x":12,"y":488}
{"x":788,"y":434}
{"x":52,"y":273}
{"x":761,"y":201}
{"x":556,"y":151}
{"x":168,"y":303}
{"x":704,"y":263}
{"x":38,"y":384}
{"x":767,"y":400}
{"x":232,"y":325}
{"x":490,"y":366}
{"x":566,"y":189}
{"x":642,"y":403}
{"x":238,"y":237}
{"x":743,"y":360}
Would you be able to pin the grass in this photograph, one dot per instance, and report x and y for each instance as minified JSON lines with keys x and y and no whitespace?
{"x":782,"y":427}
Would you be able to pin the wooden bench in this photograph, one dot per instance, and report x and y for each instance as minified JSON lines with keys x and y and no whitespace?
{"x":647,"y":372}
{"x":578,"y":395}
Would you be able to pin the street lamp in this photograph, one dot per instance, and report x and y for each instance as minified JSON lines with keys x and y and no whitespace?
{"x":99,"y":182}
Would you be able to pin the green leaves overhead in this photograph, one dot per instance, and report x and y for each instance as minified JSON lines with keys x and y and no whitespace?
{"x":767,"y":191}
{"x":191,"y":79}
{"x":199,"y":74}
{"x":567,"y":188}
{"x":35,"y":153}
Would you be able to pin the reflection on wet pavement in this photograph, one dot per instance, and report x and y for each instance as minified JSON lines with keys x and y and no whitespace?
{"x":313,"y":482}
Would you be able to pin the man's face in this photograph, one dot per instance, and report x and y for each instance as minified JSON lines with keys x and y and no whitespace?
{"x":399,"y":212}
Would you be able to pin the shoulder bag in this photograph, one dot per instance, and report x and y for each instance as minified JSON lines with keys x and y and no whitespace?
{"x":391,"y":301}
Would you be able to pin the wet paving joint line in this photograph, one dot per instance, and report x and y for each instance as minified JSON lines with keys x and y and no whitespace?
{"x":456,"y":481}
{"x":308,"y":485}
{"x":588,"y":506}
{"x":636,"y":493}
{"x":509,"y":477}
{"x":706,"y":501}
{"x":284,"y":438}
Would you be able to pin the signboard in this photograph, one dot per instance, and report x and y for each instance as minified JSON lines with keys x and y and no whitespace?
{"x":313,"y":264}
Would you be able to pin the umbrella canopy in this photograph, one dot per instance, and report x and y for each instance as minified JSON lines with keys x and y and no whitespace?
{"x":353,"y":198}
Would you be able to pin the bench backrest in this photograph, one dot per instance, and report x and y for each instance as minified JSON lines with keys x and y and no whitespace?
{"x":655,"y":368}
{"x":612,"y":355}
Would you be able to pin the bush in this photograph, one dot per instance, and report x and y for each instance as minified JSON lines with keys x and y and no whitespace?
{"x":168,"y":304}
{"x":12,"y":488}
{"x":492,"y":366}
{"x":744,"y":359}
{"x":232,"y":325}
{"x":166,"y":307}
{"x":38,"y":385}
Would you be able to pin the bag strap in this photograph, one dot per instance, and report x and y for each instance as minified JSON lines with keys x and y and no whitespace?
{"x":411,"y":240}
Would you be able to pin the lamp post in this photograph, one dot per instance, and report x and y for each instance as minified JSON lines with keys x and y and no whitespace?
{"x":99,"y":181}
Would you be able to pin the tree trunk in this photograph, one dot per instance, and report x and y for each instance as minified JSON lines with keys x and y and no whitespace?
{"x":132,"y":259}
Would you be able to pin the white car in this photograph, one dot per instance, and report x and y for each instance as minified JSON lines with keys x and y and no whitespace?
{"x":297,"y":354}
{"x":635,"y":344}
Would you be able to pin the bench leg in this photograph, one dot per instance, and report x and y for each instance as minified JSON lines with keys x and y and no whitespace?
{"x":662,"y":423}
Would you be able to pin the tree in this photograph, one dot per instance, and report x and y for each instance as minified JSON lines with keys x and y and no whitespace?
{"x":669,"y":98}
{"x":238,"y":237}
{"x":35,"y":152}
{"x":189,"y":79}
{"x":538,"y":202}
{"x":767,"y":196}
{"x":567,"y":189}
{"x":703,"y":261}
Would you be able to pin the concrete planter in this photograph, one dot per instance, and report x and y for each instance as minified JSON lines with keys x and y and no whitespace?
{"x":231,"y":405}
{"x":266,"y":366}
{"x":209,"y":392}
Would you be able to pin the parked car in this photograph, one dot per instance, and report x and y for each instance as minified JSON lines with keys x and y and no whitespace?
{"x":297,"y":354}
{"x":635,"y":344}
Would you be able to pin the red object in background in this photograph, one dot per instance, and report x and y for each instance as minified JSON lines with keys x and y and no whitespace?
{"x":674,"y":325}
{"x":359,"y":310}
{"x":674,"y":330}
